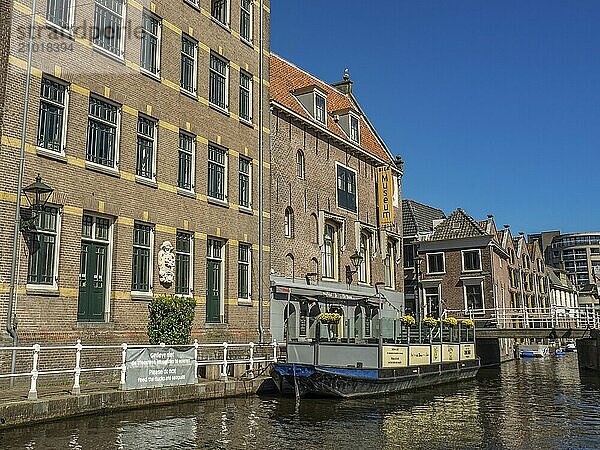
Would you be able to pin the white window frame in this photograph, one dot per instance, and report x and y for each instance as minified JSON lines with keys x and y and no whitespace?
{"x":193,"y":3}
{"x":251,"y":27}
{"x":158,"y":46}
{"x":391,"y":258}
{"x":146,"y":294}
{"x":226,"y":83}
{"x":365,"y":265}
{"x":154,"y":148}
{"x":221,"y":260}
{"x":102,"y":167}
{"x":70,"y":18}
{"x":352,"y":116}
{"x":191,"y":269}
{"x":337,"y":203}
{"x":443,"y":262}
{"x":247,"y":300}
{"x":424,"y":295}
{"x":65,"y":121}
{"x":288,"y":222}
{"x":301,"y":164}
{"x":227,"y":14}
{"x":335,"y":250}
{"x":250,"y":90}
{"x":474,"y":282}
{"x":193,"y":162}
{"x":121,"y":55}
{"x":193,"y":93}
{"x":462,"y":257}
{"x":225,"y":200}
{"x":49,"y":288}
{"x":109,"y":255}
{"x":324,"y":97}
{"x":249,"y":174}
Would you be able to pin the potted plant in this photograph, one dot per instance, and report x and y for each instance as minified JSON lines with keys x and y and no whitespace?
{"x":467,"y":325}
{"x":431,"y":322}
{"x":331,"y":320}
{"x":408,"y":321}
{"x":450,"y":323}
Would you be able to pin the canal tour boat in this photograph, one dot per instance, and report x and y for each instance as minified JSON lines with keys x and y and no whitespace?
{"x":353,"y":346}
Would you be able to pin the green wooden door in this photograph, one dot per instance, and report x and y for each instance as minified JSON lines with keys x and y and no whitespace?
{"x":213,"y":291}
{"x":92,"y":282}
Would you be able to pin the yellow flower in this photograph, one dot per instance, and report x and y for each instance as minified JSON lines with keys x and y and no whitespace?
{"x":329,"y":317}
{"x":408,"y":320}
{"x":431,"y":322}
{"x":468,"y":323}
{"x":452,"y":321}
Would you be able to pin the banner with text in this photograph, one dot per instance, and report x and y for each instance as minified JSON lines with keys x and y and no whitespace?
{"x":385,"y":194}
{"x":158,"y":367}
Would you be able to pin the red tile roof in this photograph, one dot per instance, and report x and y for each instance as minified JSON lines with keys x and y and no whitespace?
{"x":287,"y":78}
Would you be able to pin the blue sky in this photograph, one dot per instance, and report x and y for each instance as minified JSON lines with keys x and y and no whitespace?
{"x":493,"y":105}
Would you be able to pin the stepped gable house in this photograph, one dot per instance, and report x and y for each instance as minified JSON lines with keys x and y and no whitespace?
{"x":149,"y":136}
{"x":325,"y":154}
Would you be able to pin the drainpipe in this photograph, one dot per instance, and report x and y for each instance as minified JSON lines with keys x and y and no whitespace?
{"x":10,"y":322}
{"x":261,"y":332}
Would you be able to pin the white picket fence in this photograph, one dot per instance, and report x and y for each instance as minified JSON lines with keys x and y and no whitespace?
{"x":223,"y":355}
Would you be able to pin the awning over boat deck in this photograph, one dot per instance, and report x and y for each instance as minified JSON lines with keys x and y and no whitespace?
{"x":327,"y":291}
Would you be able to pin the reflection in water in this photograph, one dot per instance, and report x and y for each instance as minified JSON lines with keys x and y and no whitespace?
{"x":527,"y":404}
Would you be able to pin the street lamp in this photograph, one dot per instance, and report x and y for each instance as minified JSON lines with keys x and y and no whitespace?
{"x":356,"y":261}
{"x":417,"y":262}
{"x":37,"y":194}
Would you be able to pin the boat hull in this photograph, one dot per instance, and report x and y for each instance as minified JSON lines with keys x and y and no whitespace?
{"x":306,"y":380}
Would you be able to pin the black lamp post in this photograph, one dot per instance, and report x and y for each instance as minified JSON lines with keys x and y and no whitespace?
{"x":356,"y":261}
{"x":37,"y":194}
{"x":417,"y":262}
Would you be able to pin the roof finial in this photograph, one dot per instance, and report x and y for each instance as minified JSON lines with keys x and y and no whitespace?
{"x":346,"y":74}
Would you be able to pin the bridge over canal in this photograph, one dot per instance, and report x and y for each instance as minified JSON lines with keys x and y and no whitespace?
{"x":552,"y":324}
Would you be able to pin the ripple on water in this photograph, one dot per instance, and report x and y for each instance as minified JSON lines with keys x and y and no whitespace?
{"x":527,"y":404}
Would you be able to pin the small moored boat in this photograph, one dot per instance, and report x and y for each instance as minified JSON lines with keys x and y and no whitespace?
{"x":534,"y":351}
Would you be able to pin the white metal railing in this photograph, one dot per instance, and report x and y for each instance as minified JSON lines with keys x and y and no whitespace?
{"x":583,"y":317}
{"x":204,"y":355}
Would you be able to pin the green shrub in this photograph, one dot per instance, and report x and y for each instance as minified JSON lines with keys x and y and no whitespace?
{"x":170,"y":320}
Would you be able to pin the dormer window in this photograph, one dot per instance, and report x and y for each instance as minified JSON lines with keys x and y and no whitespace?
{"x":349,"y":121}
{"x":354,"y":133}
{"x":320,"y":108}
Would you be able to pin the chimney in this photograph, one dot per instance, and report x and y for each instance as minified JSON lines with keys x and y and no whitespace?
{"x":507,"y":226}
{"x":344,"y":86}
{"x":490,"y":216}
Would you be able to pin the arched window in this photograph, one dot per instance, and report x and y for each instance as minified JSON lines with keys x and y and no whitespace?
{"x":330,"y":251}
{"x":289,"y":265}
{"x":364,"y":270}
{"x":358,"y":323}
{"x":313,"y":323}
{"x":289,"y":222}
{"x":300,"y":164}
{"x":289,"y":319}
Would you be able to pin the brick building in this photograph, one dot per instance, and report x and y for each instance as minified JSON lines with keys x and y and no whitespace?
{"x":418,"y":222}
{"x":472,"y":266}
{"x":144,"y":118}
{"x":325,"y":154}
{"x":462,"y":267}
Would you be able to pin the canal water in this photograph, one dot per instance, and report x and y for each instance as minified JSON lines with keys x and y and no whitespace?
{"x":542,"y":404}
